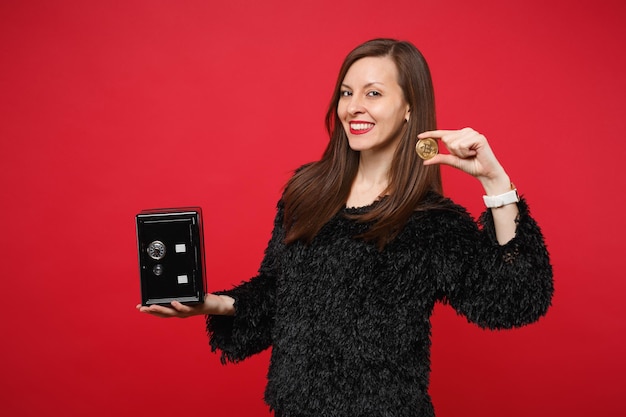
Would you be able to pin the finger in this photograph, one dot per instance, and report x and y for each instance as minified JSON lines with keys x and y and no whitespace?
{"x":144,"y":309}
{"x":156,"y":314}
{"x":161,"y":311}
{"x":147,"y":310}
{"x":178,"y":306}
{"x":436,"y":134}
{"x":443,"y":159}
{"x":458,"y":145}
{"x":462,"y":150}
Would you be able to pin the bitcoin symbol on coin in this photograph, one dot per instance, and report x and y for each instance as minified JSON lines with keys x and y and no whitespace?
{"x":426,"y":148}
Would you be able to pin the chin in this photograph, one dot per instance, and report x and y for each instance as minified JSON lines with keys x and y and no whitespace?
{"x":358,"y":148}
{"x":359,"y":144}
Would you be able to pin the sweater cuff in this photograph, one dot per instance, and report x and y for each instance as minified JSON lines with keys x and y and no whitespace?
{"x":220,"y":331}
{"x":524,"y":222}
{"x":245,"y":333}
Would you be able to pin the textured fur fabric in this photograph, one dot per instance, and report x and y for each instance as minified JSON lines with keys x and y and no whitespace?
{"x":349,"y":325}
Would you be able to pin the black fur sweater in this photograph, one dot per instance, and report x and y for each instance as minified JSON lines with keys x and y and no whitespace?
{"x":349,"y":325}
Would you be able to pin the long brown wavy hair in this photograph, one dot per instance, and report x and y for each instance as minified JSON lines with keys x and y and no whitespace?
{"x":320,"y":190}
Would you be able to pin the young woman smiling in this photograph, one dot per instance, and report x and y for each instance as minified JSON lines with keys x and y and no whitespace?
{"x":364,"y":244}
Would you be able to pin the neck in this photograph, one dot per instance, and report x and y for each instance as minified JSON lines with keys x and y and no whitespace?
{"x":374,"y":167}
{"x":371,"y":180}
{"x":372,"y":176}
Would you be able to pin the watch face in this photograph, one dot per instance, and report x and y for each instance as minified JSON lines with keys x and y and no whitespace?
{"x":156,"y":250}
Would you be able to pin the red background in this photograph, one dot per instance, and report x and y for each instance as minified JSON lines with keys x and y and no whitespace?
{"x":108,"y":108}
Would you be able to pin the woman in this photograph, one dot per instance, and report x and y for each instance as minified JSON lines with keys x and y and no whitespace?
{"x":364,"y":244}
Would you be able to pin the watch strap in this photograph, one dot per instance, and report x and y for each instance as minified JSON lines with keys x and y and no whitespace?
{"x":495,"y":201}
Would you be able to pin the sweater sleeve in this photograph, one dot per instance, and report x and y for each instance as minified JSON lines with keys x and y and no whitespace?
{"x":497,"y":286}
{"x":249,"y":331}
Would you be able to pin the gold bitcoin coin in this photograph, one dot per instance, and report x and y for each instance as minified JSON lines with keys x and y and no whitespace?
{"x":426,"y":148}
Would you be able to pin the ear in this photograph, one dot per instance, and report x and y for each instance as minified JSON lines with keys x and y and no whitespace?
{"x":406,"y":116}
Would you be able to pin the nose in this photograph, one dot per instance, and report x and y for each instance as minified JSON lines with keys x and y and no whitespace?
{"x":355,"y":106}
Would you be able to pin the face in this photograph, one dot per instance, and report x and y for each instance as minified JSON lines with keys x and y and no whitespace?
{"x":371,"y":107}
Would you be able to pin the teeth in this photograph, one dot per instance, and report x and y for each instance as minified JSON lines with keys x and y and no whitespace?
{"x":361,"y":126}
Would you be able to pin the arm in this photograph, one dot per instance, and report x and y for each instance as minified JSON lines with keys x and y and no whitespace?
{"x":470,"y":152}
{"x":239,"y":321}
{"x":495,"y":286}
{"x":249,"y":329}
{"x":500,"y":276}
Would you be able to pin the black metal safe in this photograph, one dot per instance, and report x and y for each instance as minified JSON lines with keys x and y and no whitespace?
{"x":170,"y":244}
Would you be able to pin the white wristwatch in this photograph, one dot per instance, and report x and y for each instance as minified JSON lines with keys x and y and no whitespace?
{"x":495,"y":201}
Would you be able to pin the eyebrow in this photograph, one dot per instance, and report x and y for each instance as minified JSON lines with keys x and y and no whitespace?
{"x":365,"y":86}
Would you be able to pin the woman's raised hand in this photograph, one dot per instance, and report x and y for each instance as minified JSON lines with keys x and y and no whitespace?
{"x":470,"y":152}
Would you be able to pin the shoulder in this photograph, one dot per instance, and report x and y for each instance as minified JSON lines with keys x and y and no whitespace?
{"x":304,"y":168}
{"x":302,"y":176}
{"x":298,"y":171}
{"x":439,"y":216}
{"x":441,"y":209}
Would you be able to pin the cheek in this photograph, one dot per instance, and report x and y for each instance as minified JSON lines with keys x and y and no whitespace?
{"x":341,"y":111}
{"x":400,"y":114}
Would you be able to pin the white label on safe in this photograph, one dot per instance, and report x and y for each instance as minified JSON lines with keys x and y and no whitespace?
{"x":183,"y":279}
{"x":180,"y":248}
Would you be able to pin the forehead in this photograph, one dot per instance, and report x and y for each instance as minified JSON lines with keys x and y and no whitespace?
{"x":372,"y":70}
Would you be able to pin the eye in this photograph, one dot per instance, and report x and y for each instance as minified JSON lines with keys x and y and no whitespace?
{"x":345,"y":93}
{"x":373,"y":93}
